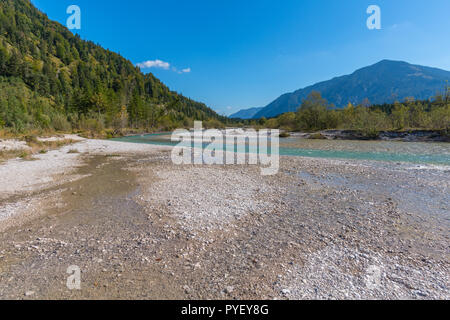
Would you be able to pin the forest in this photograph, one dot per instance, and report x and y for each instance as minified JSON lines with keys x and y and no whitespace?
{"x":51,"y":80}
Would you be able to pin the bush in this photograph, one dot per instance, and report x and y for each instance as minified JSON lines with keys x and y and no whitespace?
{"x":370,"y":133}
{"x":43,"y":121}
{"x":92,"y":125}
{"x":317,"y":136}
{"x":60,"y":123}
{"x":213,"y":124}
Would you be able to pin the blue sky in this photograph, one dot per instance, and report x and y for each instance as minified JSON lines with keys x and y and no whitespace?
{"x":240,"y":54}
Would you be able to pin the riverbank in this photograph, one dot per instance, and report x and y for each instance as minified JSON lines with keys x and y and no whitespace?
{"x":25,"y":177}
{"x":405,"y":136}
{"x":140,"y":227}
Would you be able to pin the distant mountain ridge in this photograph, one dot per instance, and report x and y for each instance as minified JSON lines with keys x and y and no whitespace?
{"x":383,"y":82}
{"x":245,"y":113}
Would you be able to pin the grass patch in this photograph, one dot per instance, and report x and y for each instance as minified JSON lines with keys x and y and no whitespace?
{"x":9,"y":154}
{"x":25,"y":155}
{"x":36,"y":147}
{"x":14,"y":154}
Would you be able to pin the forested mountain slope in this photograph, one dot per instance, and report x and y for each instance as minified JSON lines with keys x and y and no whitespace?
{"x":52,"y":79}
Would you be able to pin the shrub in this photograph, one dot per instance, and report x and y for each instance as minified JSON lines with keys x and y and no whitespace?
{"x":317,"y":136}
{"x":92,"y":125}
{"x":31,"y":139}
{"x":60,"y":123}
{"x":43,"y":121}
{"x":370,"y":133}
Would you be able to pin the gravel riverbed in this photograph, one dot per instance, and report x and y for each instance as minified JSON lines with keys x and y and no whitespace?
{"x":140,"y":227}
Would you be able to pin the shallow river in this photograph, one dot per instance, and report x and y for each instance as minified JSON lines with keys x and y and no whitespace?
{"x":414,"y":152}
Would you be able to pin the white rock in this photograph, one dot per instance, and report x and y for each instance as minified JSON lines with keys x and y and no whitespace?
{"x":285,"y":291}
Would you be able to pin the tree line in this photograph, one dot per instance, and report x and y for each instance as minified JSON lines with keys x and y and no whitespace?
{"x":316,"y":114}
{"x":51,"y":79}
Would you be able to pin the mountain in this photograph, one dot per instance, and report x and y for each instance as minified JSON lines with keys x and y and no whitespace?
{"x":245,"y":114}
{"x":52,"y":79}
{"x":383,"y":82}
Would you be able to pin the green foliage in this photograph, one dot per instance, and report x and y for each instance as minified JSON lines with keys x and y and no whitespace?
{"x":316,"y":114}
{"x":51,"y":79}
{"x":286,"y":120}
{"x":213,"y":124}
{"x":60,"y":123}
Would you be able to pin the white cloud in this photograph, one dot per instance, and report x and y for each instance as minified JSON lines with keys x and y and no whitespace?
{"x":161,"y":65}
{"x":187,"y":70}
{"x":154,"y":64}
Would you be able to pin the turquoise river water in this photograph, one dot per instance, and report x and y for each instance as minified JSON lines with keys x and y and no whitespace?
{"x":413,"y":152}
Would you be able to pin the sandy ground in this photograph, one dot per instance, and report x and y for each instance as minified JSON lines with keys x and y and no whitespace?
{"x":140,"y":227}
{"x":19,"y":178}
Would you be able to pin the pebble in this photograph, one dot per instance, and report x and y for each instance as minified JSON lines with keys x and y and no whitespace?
{"x":285,"y":291}
{"x":187,"y":290}
{"x":229,"y":289}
